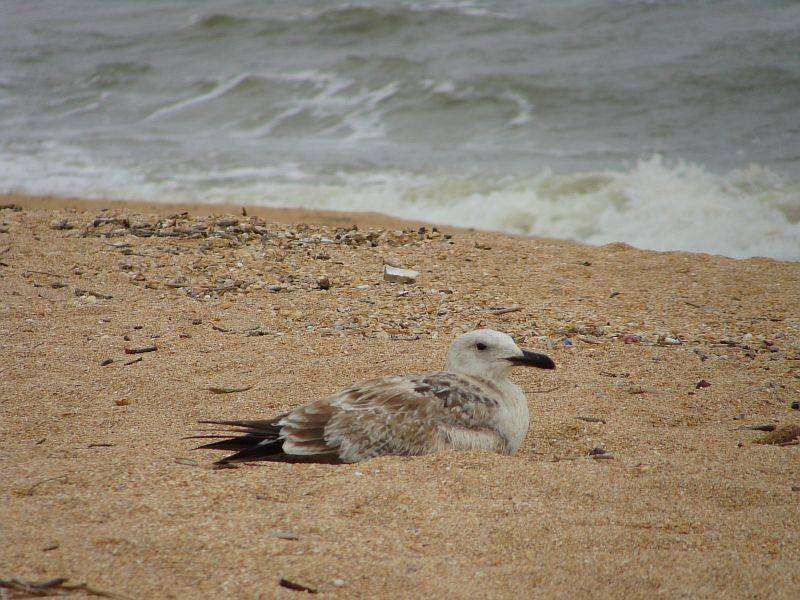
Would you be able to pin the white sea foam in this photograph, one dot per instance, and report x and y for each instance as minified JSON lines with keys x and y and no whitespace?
{"x":655,"y":205}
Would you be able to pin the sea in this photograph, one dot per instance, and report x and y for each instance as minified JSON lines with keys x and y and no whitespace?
{"x":665,"y":124}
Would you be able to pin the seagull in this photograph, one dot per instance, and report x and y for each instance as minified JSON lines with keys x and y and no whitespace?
{"x":471,"y":405}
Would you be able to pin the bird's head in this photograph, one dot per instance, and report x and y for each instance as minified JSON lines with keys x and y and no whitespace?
{"x":491,"y":354}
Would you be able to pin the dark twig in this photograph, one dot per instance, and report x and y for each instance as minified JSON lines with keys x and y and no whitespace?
{"x":298,"y":587}
{"x":591,"y":419}
{"x":56,"y":587}
{"x":37,"y":484}
{"x":82,"y":292}
{"x":141,"y":350}
{"x":228,"y":390}
{"x":505,"y":310}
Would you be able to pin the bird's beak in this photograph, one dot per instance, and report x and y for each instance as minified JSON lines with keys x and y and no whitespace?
{"x":532,"y":359}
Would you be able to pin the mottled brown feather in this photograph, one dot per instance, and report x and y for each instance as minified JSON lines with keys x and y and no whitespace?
{"x":394,"y":415}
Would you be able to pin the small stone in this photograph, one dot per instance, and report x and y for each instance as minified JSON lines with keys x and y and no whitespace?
{"x":61,"y":225}
{"x":702,"y":384}
{"x":122,"y":402}
{"x":600,"y":453}
{"x":285,"y":535}
{"x":340,"y":582}
{"x":197,"y":321}
{"x":275,"y":288}
{"x":324,"y":283}
{"x":482,"y":246}
{"x":396,"y":275}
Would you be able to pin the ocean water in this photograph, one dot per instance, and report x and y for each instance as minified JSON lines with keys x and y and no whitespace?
{"x":671,"y":125}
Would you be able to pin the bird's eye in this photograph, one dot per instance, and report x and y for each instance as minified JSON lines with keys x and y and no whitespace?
{"x":480,"y":346}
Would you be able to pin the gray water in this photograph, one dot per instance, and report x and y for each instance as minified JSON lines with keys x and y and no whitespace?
{"x":668,"y":125}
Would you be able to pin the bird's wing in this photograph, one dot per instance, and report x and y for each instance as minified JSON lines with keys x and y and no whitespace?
{"x":396,"y":415}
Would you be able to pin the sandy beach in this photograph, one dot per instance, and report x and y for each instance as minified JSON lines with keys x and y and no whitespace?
{"x":641,"y":475}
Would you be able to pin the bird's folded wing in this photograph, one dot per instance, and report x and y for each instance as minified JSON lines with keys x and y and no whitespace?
{"x":396,"y":415}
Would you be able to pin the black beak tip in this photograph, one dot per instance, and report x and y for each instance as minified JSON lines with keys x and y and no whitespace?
{"x":533,"y":359}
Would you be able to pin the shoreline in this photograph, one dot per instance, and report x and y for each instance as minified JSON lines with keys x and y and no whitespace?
{"x":294,"y":215}
{"x":664,"y":360}
{"x":278,"y":214}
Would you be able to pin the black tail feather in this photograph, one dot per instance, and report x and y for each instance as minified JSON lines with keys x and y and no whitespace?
{"x":249,"y":440}
{"x":262,"y":451}
{"x":227,"y":443}
{"x":266,"y":427}
{"x":254,"y":440}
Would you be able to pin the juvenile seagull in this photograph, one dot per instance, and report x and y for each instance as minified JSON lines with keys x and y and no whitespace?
{"x":470,"y":405}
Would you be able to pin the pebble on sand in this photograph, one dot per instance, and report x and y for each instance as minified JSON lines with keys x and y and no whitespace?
{"x":397,"y":275}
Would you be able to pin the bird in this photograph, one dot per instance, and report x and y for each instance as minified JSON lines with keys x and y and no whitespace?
{"x":470,"y":405}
